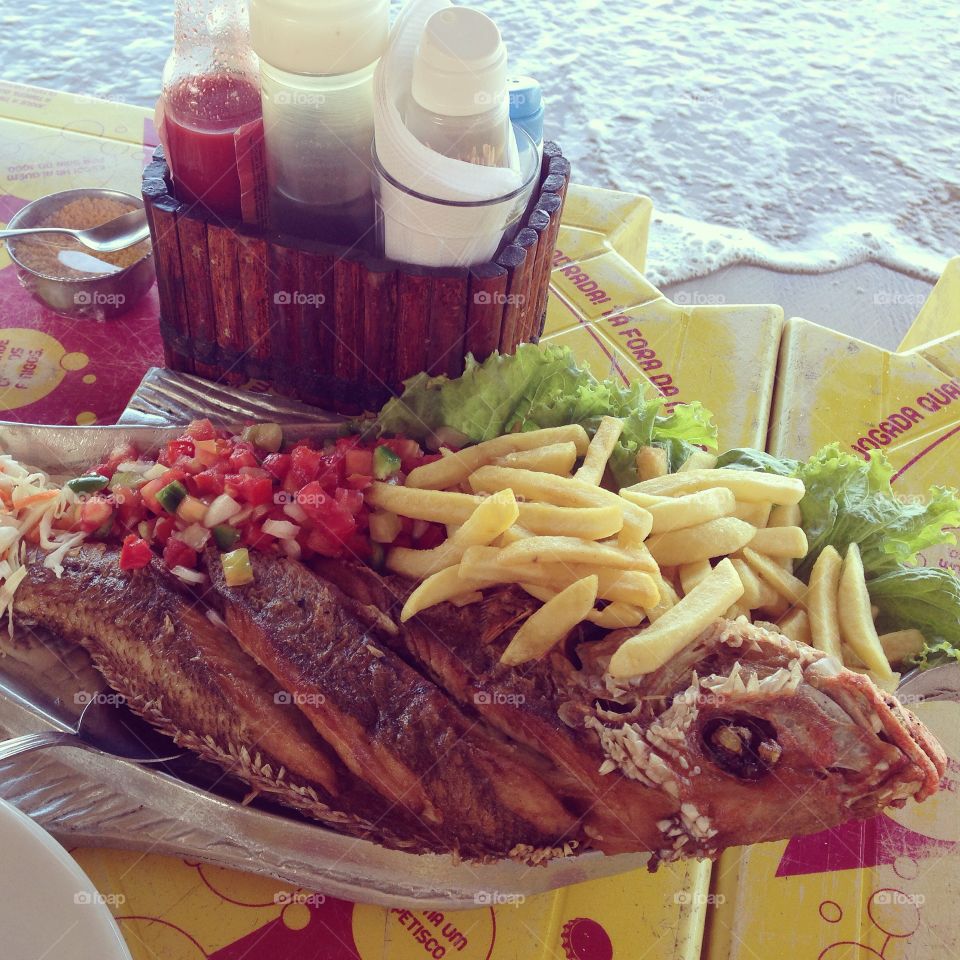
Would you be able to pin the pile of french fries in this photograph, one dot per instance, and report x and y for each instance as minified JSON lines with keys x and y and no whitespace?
{"x":670,"y":554}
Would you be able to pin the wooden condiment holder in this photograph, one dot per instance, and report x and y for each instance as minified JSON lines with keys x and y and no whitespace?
{"x":334,"y":327}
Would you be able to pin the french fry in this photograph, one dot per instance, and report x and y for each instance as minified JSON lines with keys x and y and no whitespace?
{"x":588,"y":523}
{"x":562,"y":492}
{"x":715,"y":538}
{"x":445,"y":585}
{"x":902,"y":644}
{"x":512,"y":535}
{"x":796,"y":626}
{"x":751,"y":584}
{"x":756,"y":514}
{"x":698,"y":460}
{"x":789,"y":587}
{"x":680,"y":625}
{"x":693,"y":573}
{"x":668,"y":599}
{"x":480,"y":565}
{"x":601,"y":447}
{"x":781,"y":542}
{"x":651,"y":462}
{"x":785,"y":515}
{"x":746,"y":485}
{"x":822,"y":603}
{"x":543,"y":594}
{"x":573,"y":550}
{"x":645,"y":500}
{"x":543,"y":629}
{"x":557,"y":458}
{"x":456,"y":467}
{"x":436,"y":506}
{"x":492,"y":517}
{"x":856,"y":623}
{"x":676,"y":513}
{"x":737,"y":610}
{"x":770,"y":601}
{"x":617,"y":616}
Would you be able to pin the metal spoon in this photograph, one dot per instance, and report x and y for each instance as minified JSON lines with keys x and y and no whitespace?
{"x":106,"y":727}
{"x":117,"y":234}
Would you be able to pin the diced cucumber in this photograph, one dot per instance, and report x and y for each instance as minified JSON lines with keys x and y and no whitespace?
{"x":126,"y":480}
{"x":237,"y":569}
{"x":191,"y":509}
{"x":385,"y":463}
{"x":169,"y":497}
{"x":90,"y":483}
{"x":226,"y":537}
{"x":266,"y":436}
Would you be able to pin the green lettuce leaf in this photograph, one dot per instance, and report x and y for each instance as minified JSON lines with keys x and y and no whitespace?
{"x":543,"y":387}
{"x":744,"y":458}
{"x":927,"y":598}
{"x":850,"y":500}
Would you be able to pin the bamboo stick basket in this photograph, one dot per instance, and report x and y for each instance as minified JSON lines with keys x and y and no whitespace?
{"x":231,"y":311}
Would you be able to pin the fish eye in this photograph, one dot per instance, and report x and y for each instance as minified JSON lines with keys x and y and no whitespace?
{"x":742,"y":745}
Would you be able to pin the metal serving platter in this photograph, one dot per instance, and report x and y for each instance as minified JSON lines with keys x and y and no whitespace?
{"x":186,"y":809}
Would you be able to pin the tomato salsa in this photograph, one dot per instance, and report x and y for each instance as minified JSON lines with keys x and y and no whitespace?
{"x":248,"y":491}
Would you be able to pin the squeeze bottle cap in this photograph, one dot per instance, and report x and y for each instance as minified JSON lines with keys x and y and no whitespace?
{"x":319,"y":37}
{"x":460,"y":67}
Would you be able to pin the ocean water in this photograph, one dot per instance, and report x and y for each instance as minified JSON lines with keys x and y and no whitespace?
{"x":799,"y":135}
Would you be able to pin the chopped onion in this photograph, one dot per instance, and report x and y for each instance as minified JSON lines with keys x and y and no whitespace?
{"x":221,"y":510}
{"x":294,"y":511}
{"x":281,"y":529}
{"x":188,"y":575}
{"x":135,"y":466}
{"x":196,"y":536}
{"x":157,"y":470}
{"x":291,"y":548}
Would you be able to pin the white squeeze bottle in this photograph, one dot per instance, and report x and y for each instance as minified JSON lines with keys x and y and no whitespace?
{"x":317,"y":59}
{"x":458,"y":104}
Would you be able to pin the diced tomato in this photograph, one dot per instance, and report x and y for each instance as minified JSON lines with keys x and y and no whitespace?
{"x":207,"y":482}
{"x":201,"y":430}
{"x":319,"y":542}
{"x":331,"y":472}
{"x":351,"y":500}
{"x":163,"y":528}
{"x":130,"y":506}
{"x":327,"y":512}
{"x":358,"y":481}
{"x":118,"y":455}
{"x":182,"y":447}
{"x":135,"y":553}
{"x":177,"y":554}
{"x":358,"y":461}
{"x":242,"y":455}
{"x":249,"y":489}
{"x":94,"y":513}
{"x":253,"y":536}
{"x":278,"y":464}
{"x":432,"y":537}
{"x":304,"y":464}
{"x":358,"y":546}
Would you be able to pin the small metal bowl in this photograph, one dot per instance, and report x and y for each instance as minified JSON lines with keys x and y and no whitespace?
{"x":93,"y":298}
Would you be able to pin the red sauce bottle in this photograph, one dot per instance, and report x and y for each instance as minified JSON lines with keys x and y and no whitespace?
{"x":210,"y":118}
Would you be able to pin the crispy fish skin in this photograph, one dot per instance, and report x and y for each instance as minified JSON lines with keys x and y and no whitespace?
{"x":173,"y":665}
{"x":390,"y":726}
{"x":832,"y":746}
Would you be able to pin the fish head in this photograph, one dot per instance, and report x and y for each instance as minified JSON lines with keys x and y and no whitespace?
{"x":756,"y":737}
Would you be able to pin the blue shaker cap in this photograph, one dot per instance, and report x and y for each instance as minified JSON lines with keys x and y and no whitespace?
{"x":526,"y":97}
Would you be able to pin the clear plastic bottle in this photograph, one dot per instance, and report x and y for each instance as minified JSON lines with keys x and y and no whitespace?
{"x":210,"y":115}
{"x":458,"y":102}
{"x":317,"y":60}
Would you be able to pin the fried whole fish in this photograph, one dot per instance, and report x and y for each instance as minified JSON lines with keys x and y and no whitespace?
{"x":417,"y":735}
